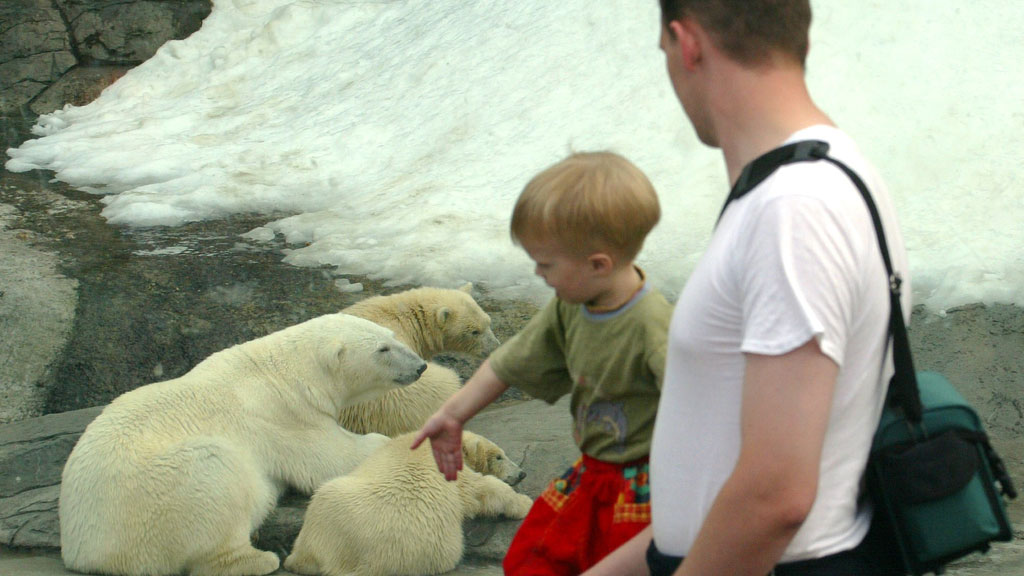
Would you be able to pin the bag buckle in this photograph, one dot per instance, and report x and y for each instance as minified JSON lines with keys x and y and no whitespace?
{"x":895,"y":282}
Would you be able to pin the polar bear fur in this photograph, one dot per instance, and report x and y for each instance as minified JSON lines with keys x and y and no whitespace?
{"x":175,"y":476}
{"x":396,"y":515}
{"x":430,"y":321}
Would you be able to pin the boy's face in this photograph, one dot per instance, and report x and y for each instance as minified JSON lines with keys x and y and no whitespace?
{"x":573,"y":277}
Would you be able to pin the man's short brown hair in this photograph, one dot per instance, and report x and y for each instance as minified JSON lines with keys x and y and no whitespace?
{"x":751,"y":32}
{"x":589,"y":202}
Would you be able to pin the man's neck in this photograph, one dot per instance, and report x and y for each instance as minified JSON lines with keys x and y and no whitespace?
{"x":757,"y":109}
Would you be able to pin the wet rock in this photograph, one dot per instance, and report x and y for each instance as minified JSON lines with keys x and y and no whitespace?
{"x":78,"y":86}
{"x":42,"y":41}
{"x":32,"y":456}
{"x":35,"y":50}
{"x":129,"y":32}
{"x":37,"y":307}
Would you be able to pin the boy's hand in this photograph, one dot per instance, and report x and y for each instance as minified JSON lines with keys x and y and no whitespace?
{"x":445,"y":427}
{"x":445,"y":433}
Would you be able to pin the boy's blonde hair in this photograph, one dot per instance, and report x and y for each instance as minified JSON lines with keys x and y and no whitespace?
{"x":589,"y":202}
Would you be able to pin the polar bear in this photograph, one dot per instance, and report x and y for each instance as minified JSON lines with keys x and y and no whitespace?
{"x":396,"y":515}
{"x":431,"y":321}
{"x":174,"y":477}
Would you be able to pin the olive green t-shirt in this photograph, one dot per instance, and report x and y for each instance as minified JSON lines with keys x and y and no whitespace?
{"x":612,"y":363}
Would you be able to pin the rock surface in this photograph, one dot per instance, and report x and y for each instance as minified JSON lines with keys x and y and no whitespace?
{"x":32,"y":456}
{"x":37,"y":304}
{"x":46,"y":46}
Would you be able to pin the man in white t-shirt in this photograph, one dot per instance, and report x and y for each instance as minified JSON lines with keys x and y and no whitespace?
{"x":777,"y":364}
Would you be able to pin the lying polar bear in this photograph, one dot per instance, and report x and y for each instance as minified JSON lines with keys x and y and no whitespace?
{"x":431,"y":321}
{"x":396,"y":515}
{"x":173,"y":477}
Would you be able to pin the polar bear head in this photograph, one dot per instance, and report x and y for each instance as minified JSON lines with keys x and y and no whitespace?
{"x":432,"y":320}
{"x":363,"y":359}
{"x":486,"y":457}
{"x":462,"y":323}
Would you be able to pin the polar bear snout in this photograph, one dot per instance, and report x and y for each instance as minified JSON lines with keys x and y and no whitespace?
{"x":489,"y":342}
{"x":410,"y":365}
{"x":509,"y":472}
{"x":419,"y":371}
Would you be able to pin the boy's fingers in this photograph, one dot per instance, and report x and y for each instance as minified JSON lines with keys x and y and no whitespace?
{"x":449,"y":464}
{"x":420,"y":437}
{"x":428,"y":430}
{"x":442,"y":463}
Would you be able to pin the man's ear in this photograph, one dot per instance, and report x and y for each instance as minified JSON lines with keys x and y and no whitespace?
{"x":689,"y":37}
{"x":601,"y":262}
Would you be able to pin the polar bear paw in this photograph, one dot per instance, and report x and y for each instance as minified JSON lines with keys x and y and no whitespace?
{"x":495,"y":498}
{"x":519,"y":507}
{"x":241,"y":562}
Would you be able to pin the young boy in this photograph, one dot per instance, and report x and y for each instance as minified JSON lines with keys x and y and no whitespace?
{"x":602,"y":339}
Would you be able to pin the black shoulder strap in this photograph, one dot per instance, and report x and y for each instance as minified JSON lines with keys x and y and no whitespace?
{"x":903,"y":386}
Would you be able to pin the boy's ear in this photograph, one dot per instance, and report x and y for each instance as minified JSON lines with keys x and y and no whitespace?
{"x":601,"y":262}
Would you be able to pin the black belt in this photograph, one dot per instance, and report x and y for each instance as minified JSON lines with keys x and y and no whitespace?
{"x":846,"y":562}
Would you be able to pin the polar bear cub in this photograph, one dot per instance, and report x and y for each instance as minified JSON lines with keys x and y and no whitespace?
{"x":431,"y":321}
{"x":174,"y":477}
{"x":396,"y":515}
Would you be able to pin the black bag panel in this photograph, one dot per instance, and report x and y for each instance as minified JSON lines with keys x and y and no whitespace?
{"x":930,"y":470}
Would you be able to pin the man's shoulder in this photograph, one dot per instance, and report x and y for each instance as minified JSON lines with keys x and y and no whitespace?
{"x":801,"y":177}
{"x":821,"y":183}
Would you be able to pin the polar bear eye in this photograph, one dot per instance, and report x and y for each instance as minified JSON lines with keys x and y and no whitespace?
{"x":499,"y":457}
{"x":475,"y":332}
{"x":384,"y":348}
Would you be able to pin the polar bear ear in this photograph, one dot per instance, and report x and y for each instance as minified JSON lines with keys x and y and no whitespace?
{"x":443,"y":314}
{"x":471,"y":447}
{"x":467,"y":288}
{"x":334,"y":352}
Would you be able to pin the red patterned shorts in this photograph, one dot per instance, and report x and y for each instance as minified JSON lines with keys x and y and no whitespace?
{"x":594,"y":508}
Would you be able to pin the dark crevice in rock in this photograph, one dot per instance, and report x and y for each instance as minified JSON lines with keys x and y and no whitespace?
{"x":73,"y":46}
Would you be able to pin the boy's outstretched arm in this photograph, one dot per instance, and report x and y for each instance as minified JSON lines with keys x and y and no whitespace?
{"x":444,"y":428}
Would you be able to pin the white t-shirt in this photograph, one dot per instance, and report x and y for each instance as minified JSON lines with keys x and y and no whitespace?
{"x":794,"y":259}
